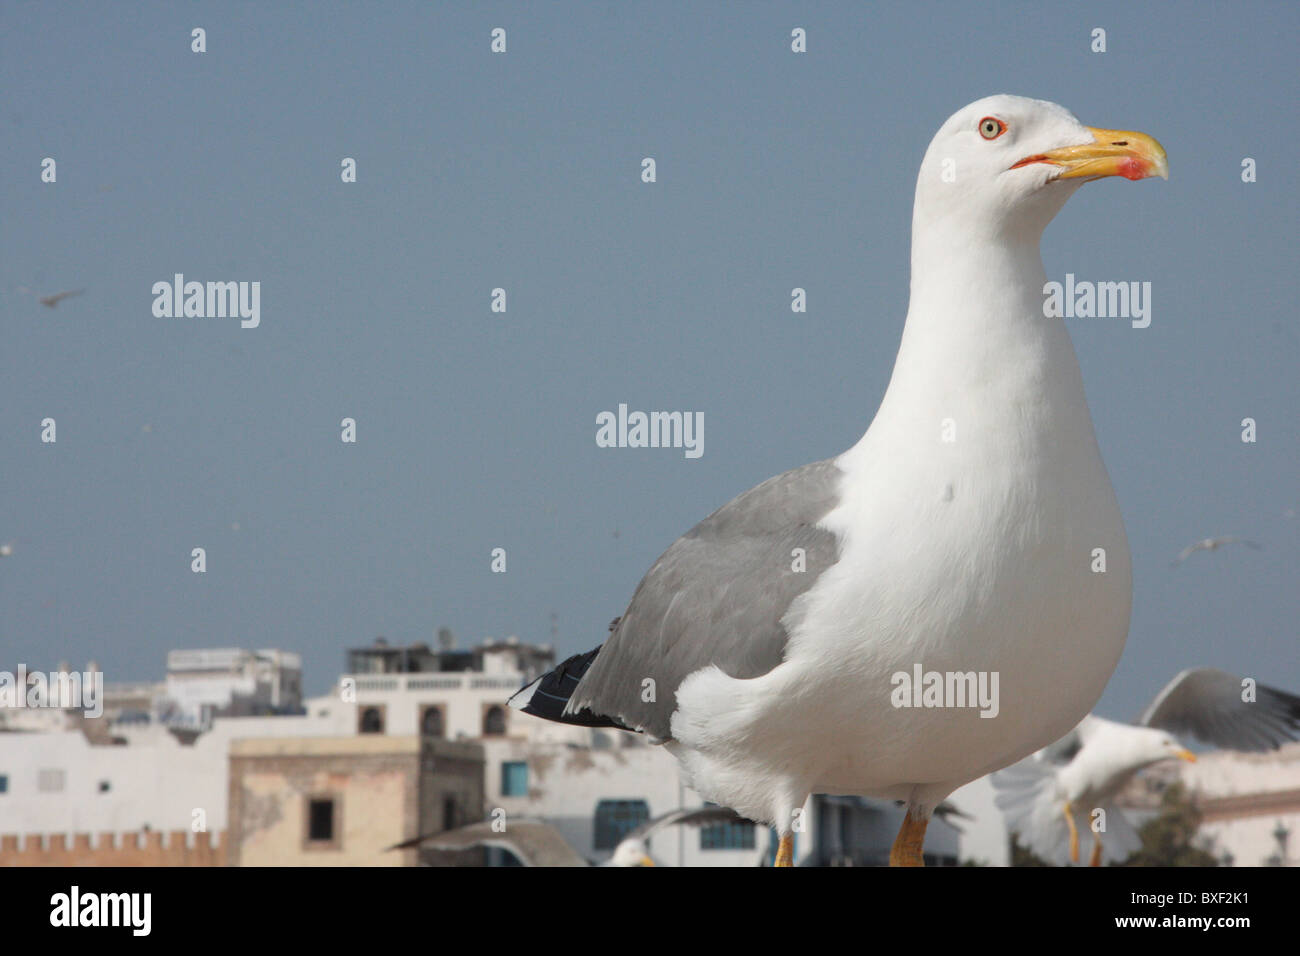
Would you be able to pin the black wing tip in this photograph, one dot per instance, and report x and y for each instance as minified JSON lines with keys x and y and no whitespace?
{"x":550,"y":696}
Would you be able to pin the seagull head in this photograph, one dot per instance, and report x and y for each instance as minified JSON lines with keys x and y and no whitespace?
{"x":631,"y":852}
{"x":1009,"y":163}
{"x":1146,"y":746}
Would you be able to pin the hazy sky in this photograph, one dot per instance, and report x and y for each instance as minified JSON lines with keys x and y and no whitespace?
{"x":477,"y":430}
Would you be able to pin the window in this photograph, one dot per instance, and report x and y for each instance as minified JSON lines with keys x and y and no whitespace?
{"x":371,"y":721}
{"x":320,"y":820}
{"x":450,"y":813}
{"x":4,"y":783}
{"x":432,"y":724}
{"x":494,"y":721}
{"x":514,"y":778}
{"x":105,"y":786}
{"x":50,"y":781}
{"x":615,"y":819}
{"x":732,"y":835}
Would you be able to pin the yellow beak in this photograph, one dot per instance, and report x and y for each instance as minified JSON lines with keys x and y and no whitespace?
{"x":1185,"y":755}
{"x":646,"y":861}
{"x":1114,"y":152}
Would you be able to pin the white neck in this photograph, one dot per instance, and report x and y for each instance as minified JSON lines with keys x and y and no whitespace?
{"x":976,"y":345}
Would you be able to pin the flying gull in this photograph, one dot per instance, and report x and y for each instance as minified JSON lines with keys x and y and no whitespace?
{"x":1050,"y":797}
{"x":1212,"y":544}
{"x":535,"y":842}
{"x":961,"y":535}
{"x":50,"y":301}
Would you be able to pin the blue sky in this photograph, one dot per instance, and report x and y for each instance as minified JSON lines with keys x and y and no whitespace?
{"x":477,"y":430}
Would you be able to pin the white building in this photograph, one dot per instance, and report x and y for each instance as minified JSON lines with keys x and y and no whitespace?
{"x":61,"y":782}
{"x":1249,"y":803}
{"x":230,"y":682}
{"x":125,"y":773}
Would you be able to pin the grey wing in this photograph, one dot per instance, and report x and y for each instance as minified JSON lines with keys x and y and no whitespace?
{"x":716,"y":596}
{"x":1206,"y":703}
{"x":686,"y":816}
{"x":534,"y":842}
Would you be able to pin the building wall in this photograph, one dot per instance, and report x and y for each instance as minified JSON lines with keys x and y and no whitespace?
{"x":153,"y":780}
{"x":984,"y":837}
{"x":565,"y":783}
{"x":175,"y":848}
{"x":1243,"y":798}
{"x":464,"y":699}
{"x":388,"y":789}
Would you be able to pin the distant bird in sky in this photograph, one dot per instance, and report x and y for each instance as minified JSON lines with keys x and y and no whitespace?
{"x":771,"y":649}
{"x":50,"y":301}
{"x":6,"y":550}
{"x":1049,"y":797}
{"x":1212,"y":544}
{"x":537,"y":843}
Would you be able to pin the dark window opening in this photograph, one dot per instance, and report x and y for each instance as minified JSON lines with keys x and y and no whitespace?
{"x":320,"y":820}
{"x":494,"y":721}
{"x":432,"y":725}
{"x":372,"y":721}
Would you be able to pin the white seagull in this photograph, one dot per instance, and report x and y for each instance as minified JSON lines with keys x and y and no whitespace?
{"x":1212,"y":544}
{"x":769,"y":648}
{"x":1050,"y":797}
{"x":535,"y":842}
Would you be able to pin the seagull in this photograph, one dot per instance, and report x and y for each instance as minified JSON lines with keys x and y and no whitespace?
{"x":50,"y":301}
{"x":634,"y":849}
{"x":1212,"y":544}
{"x":537,"y":843}
{"x":1048,"y":797}
{"x":769,"y":647}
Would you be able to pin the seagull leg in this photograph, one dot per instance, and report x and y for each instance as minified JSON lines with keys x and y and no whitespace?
{"x":785,"y":850}
{"x":1095,"y":859}
{"x":1074,"y":833}
{"x":906,"y":850}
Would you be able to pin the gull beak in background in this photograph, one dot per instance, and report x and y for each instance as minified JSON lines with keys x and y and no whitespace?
{"x":1185,"y":755}
{"x":646,"y":861}
{"x":1113,"y":152}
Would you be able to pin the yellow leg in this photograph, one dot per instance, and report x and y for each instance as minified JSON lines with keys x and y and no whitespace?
{"x":906,"y":850}
{"x":785,"y":851}
{"x":1074,"y":833}
{"x":1095,"y":859}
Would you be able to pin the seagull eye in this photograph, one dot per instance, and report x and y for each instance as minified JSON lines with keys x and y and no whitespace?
{"x":991,"y":127}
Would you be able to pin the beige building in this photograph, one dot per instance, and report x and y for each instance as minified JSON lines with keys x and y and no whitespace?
{"x":1249,"y":802}
{"x":341,"y":801}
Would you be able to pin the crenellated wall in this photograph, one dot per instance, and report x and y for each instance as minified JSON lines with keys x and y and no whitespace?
{"x":135,"y":848}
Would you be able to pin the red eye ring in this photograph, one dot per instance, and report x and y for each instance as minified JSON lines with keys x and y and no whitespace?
{"x":991,"y":127}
